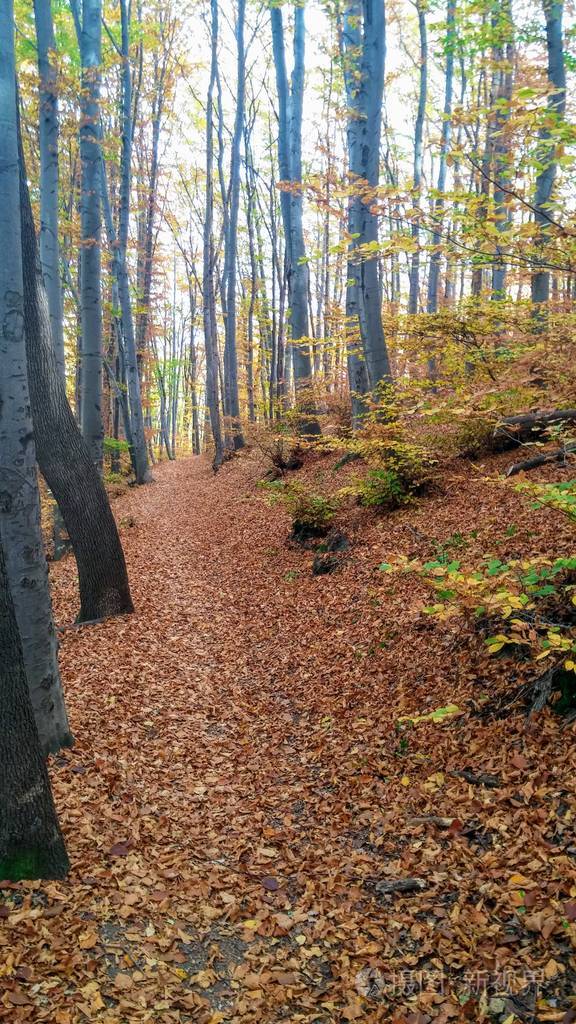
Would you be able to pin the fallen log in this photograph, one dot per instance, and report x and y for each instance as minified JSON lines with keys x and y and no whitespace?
{"x":558,"y":455}
{"x":528,"y":426}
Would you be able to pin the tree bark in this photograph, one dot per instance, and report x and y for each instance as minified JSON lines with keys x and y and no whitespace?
{"x":31,"y":844}
{"x":290,"y":108}
{"x":142,"y":469}
{"x":547,"y":147}
{"x":208,"y":297}
{"x":414,"y":293}
{"x":445,"y":136}
{"x":363,"y":51}
{"x":19,"y":499}
{"x":90,"y":278}
{"x":62,"y":452}
{"x":48,"y":138}
{"x":231,"y":399}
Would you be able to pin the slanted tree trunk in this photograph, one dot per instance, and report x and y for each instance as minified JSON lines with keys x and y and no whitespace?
{"x":414,"y":294}
{"x":19,"y":500}
{"x":90,"y":273}
{"x":31,"y":844}
{"x":547,"y":145}
{"x":290,"y":108}
{"x":62,"y":452}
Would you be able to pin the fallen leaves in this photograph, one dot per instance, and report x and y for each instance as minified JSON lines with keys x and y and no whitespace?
{"x":249,"y":808}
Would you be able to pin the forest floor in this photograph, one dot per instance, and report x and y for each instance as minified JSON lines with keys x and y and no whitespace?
{"x":241,"y":792}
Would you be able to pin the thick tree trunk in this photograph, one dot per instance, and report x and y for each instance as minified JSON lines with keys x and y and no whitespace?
{"x":290,"y":109}
{"x":31,"y":844}
{"x":547,"y":146}
{"x":363,"y":51}
{"x":48,"y":136}
{"x":141,"y":467}
{"x":414,"y":294}
{"x":503,"y":54}
{"x":208,"y":297}
{"x":49,"y":205}
{"x":62,"y":452}
{"x":19,"y":500}
{"x":231,"y":400}
{"x":445,"y":136}
{"x":90,"y":283}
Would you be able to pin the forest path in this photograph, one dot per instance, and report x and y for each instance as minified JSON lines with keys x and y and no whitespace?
{"x":211,"y":783}
{"x":241,"y":795}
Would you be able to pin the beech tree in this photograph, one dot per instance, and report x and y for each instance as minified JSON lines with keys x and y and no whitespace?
{"x":19,"y":498}
{"x":63,"y":454}
{"x":548,"y":142}
{"x":363,"y":50}
{"x":89,"y":28}
{"x":31,"y":843}
{"x":290,"y":106}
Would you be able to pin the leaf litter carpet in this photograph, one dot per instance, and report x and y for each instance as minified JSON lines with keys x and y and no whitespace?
{"x":252,"y":837}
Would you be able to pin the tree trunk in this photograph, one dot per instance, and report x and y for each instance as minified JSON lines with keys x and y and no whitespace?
{"x":19,"y":499}
{"x":31,"y":844}
{"x":90,"y":286}
{"x":62,"y":452}
{"x":503,"y":53}
{"x":414,"y":295}
{"x":142,"y":469}
{"x":231,"y":400}
{"x":208,"y":297}
{"x":48,"y":137}
{"x":547,"y":146}
{"x":363,"y":51}
{"x":445,"y":136}
{"x":290,"y":108}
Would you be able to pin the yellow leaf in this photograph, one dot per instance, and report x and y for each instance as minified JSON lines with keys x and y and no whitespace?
{"x":404,"y":781}
{"x":252,"y":924}
{"x":87,"y":940}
